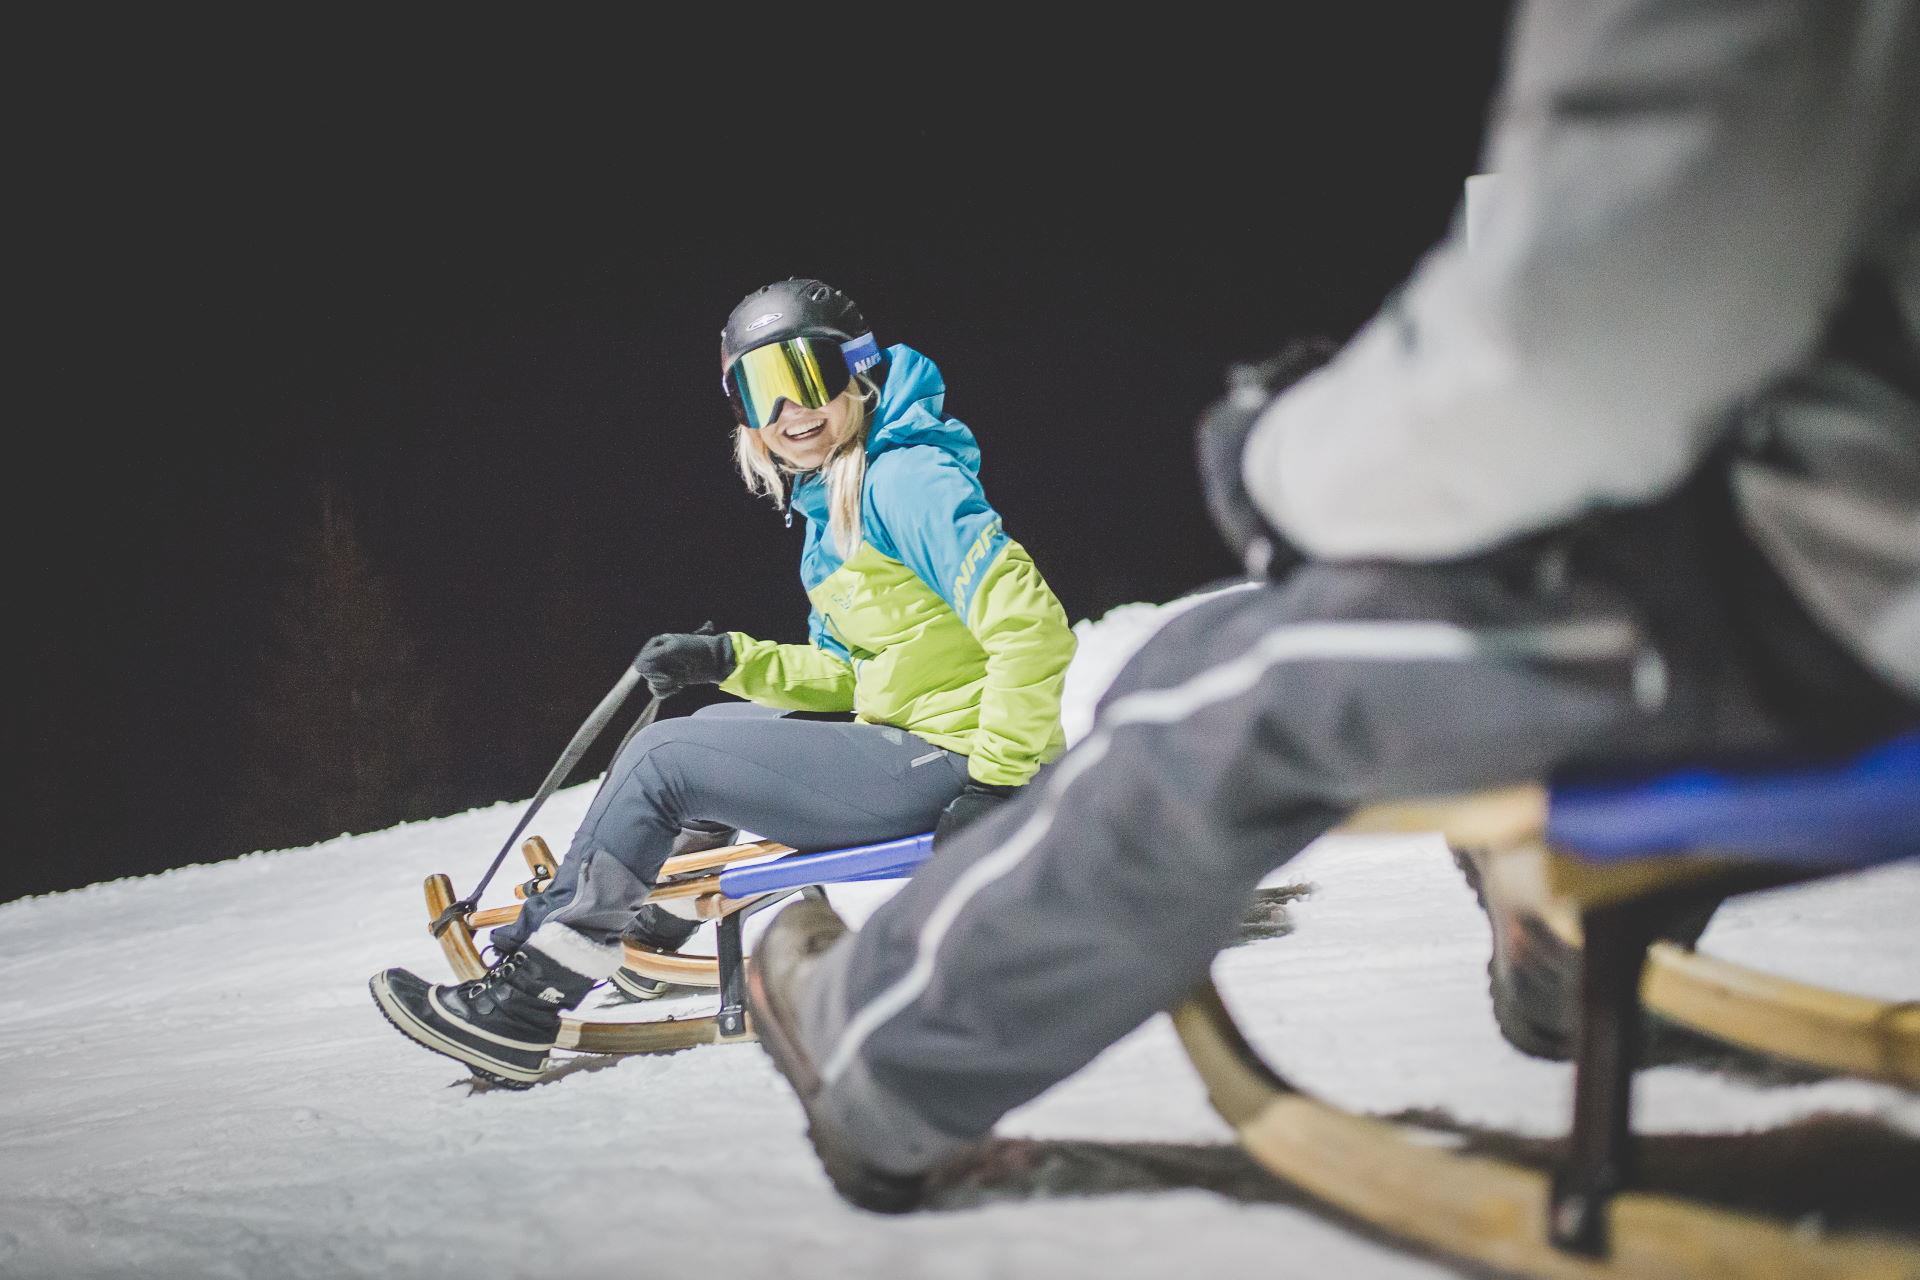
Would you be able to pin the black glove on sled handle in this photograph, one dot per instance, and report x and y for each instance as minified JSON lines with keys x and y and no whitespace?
{"x":1220,"y":442}
{"x":975,"y":801}
{"x":679,"y":659}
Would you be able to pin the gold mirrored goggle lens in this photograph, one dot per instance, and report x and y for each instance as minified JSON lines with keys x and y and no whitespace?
{"x":808,"y":371}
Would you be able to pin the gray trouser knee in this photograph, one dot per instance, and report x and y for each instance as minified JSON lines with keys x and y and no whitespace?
{"x":812,"y":784}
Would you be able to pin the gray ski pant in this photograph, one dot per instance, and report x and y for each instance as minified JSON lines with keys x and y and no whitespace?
{"x":1243,"y":730}
{"x":808,"y":782}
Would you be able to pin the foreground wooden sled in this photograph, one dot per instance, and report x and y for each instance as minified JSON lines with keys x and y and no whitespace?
{"x":725,"y":885}
{"x":1612,"y":864}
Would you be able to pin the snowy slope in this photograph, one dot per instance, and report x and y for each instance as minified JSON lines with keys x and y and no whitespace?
{"x":194,"y":1082}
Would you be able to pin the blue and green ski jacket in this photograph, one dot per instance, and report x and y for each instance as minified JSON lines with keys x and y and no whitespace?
{"x":938,"y":623}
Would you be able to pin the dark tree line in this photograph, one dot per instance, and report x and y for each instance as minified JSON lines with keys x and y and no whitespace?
{"x":349,"y":718}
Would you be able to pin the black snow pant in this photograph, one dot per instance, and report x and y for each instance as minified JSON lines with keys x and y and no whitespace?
{"x":810,"y":782}
{"x":1244,"y":729}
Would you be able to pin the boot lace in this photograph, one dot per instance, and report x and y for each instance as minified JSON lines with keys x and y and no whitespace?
{"x":496,"y":973}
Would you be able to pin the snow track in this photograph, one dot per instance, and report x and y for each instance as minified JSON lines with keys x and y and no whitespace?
{"x":195,"y":1083}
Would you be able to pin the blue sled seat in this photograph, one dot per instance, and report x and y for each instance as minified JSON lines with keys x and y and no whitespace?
{"x":887,"y":860}
{"x":1849,"y":813}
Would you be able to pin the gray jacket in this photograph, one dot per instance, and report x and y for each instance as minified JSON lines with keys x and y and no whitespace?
{"x":1707,"y":231}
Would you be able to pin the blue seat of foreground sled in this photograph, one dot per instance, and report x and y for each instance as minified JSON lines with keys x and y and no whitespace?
{"x":1853,"y":812}
{"x":886,"y":860}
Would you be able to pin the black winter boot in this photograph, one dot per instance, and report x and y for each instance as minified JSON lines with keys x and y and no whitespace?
{"x":659,"y":930}
{"x":502,"y":1024}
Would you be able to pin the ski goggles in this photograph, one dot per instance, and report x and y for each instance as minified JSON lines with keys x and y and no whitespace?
{"x":808,"y":371}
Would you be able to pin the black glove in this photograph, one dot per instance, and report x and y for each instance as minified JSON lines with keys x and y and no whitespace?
{"x":1221,"y":443}
{"x":679,"y":659}
{"x":975,"y":801}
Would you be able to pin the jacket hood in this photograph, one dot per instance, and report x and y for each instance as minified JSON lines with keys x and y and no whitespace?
{"x":911,"y":412}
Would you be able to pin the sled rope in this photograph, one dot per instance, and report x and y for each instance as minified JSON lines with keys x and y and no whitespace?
{"x":595,"y":724}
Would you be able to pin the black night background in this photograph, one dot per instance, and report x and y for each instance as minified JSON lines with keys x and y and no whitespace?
{"x":382,"y":420}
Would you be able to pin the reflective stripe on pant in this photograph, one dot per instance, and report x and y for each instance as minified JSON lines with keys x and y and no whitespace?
{"x":810,"y":783}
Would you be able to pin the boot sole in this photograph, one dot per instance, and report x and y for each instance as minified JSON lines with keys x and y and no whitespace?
{"x":430,"y":1038}
{"x":633,"y":991}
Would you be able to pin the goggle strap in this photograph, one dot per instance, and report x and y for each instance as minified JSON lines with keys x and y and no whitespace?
{"x":862,"y":353}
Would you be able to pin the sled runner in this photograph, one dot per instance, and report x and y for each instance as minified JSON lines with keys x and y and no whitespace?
{"x":1612,"y":864}
{"x":725,"y":885}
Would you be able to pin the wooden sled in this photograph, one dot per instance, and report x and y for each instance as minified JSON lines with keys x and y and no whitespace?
{"x":1575,"y":854}
{"x":725,"y":885}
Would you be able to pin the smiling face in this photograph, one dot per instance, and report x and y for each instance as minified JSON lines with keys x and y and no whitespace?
{"x":802,"y":438}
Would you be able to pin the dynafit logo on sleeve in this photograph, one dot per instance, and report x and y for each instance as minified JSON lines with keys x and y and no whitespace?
{"x":970,"y":563}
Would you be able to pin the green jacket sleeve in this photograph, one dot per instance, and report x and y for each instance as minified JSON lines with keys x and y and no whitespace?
{"x":1018,"y":621}
{"x":795,"y":677}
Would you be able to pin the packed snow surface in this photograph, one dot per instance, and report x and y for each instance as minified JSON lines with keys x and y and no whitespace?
{"x":196,"y":1083}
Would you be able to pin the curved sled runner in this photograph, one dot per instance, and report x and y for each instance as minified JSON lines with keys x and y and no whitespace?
{"x":1624,"y":858}
{"x":752,"y":876}
{"x":1483,"y":1209}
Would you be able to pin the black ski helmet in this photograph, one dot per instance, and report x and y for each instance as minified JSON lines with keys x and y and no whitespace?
{"x":792,"y":308}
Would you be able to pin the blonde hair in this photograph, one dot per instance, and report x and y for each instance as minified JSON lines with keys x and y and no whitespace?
{"x":845,"y":469}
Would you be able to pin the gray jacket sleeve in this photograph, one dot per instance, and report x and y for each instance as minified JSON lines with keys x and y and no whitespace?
{"x":1685,"y":188}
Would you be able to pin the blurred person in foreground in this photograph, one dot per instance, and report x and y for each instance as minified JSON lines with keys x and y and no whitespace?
{"x":1637,"y":482}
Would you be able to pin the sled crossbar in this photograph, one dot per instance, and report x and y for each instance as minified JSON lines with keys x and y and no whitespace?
{"x":727,"y":892}
{"x":1843,"y":814}
{"x":887,"y":860}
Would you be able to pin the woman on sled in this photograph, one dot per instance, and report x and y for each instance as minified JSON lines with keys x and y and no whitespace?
{"x":928,"y":691}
